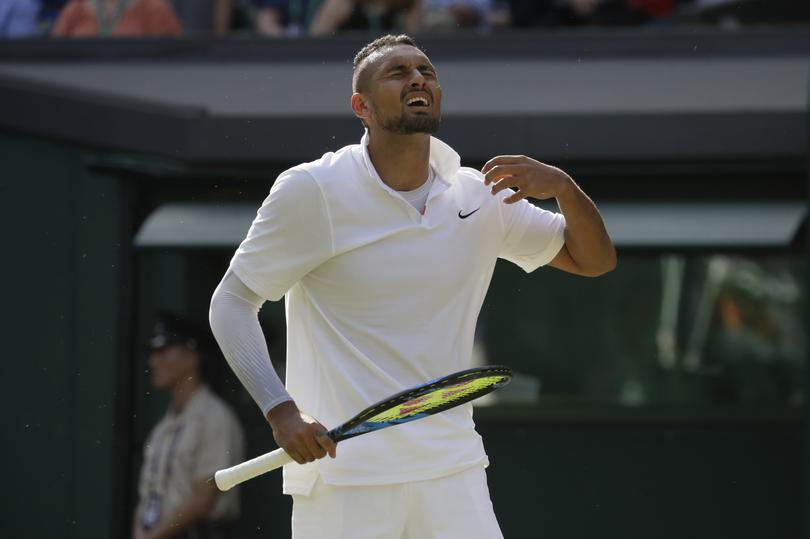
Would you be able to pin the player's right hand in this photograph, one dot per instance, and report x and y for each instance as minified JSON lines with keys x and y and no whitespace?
{"x":301,"y":436}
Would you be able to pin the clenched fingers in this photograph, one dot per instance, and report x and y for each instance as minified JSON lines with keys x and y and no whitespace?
{"x":313,"y":443}
{"x":299,"y":449}
{"x":295,"y":455}
{"x":327,"y":444}
{"x":299,"y":434}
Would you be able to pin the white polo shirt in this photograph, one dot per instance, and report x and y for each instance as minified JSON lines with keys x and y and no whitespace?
{"x":380,"y":298}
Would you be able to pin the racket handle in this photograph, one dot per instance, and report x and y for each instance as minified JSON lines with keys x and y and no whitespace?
{"x":230,"y":477}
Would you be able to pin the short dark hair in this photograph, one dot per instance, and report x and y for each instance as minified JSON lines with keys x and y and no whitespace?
{"x":359,"y":65}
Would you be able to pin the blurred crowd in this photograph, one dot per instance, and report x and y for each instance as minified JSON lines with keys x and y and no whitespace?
{"x":290,"y":18}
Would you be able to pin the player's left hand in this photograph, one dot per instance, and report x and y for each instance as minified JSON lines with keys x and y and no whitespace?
{"x":527,"y":176}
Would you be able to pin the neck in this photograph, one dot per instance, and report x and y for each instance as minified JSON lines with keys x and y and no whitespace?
{"x":182,"y":392}
{"x":402,"y":161}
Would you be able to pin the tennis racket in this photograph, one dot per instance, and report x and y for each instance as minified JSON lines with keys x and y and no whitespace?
{"x":415,"y":403}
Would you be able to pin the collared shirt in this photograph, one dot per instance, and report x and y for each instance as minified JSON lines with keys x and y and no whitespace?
{"x":381,"y":297}
{"x":187,"y":448}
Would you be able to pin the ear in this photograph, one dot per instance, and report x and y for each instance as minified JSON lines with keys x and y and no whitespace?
{"x":359,"y":106}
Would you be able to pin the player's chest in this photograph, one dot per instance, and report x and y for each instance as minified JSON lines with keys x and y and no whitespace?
{"x":398,"y":250}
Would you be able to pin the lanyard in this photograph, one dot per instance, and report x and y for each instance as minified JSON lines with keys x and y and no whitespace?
{"x":107,"y":24}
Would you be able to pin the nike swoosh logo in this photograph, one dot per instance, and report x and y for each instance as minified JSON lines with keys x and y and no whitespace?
{"x":464,"y":216}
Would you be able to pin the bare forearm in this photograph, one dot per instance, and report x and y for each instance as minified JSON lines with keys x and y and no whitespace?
{"x":586,"y":237}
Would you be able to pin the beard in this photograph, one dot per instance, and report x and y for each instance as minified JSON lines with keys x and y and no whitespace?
{"x":408,"y":125}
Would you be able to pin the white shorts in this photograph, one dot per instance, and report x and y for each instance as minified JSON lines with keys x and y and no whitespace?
{"x":453,"y":507}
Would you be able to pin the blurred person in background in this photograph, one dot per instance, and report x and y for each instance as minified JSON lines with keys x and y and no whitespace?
{"x":279,"y":18}
{"x":756,"y":339}
{"x":589,"y":12}
{"x":372,"y":15}
{"x":18,"y":18}
{"x":49,"y":12}
{"x":204,"y":16}
{"x":198,"y":436}
{"x":455,"y":14}
{"x":292,"y":18}
{"x":118,"y":18}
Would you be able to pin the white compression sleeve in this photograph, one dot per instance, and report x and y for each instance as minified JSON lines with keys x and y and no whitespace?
{"x":234,"y":319}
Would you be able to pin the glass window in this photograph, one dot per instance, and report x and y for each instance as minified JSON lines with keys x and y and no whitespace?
{"x":662,"y":329}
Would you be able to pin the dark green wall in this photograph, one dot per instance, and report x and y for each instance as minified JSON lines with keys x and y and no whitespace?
{"x":627,"y":481}
{"x":64,"y":288}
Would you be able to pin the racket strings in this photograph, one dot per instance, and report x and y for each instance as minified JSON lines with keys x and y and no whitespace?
{"x":442,"y":396}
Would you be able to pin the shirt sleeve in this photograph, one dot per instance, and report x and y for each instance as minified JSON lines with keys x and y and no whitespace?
{"x":532,"y":236}
{"x":290,"y":236}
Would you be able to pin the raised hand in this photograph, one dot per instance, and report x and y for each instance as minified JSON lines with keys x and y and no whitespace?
{"x":527,"y":176}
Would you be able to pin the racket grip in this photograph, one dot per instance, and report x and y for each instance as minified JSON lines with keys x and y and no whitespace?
{"x":230,"y":477}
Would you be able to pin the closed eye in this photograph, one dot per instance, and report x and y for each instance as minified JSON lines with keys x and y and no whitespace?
{"x":427,"y":70}
{"x":397,"y":70}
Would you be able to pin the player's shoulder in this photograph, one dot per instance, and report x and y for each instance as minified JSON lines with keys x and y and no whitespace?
{"x":306,"y":179}
{"x":469,"y":183}
{"x":330,"y":164}
{"x":470,"y":179}
{"x":469,"y":174}
{"x":294,"y":185}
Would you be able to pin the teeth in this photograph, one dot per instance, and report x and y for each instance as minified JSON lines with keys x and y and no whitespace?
{"x":420,"y":100}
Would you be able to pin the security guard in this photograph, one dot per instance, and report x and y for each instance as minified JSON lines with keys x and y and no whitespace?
{"x":198,"y":435}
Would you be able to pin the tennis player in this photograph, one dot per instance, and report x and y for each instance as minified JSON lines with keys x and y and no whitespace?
{"x":384,"y":251}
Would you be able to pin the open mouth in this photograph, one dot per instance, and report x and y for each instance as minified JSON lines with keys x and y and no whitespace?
{"x":417,"y":102}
